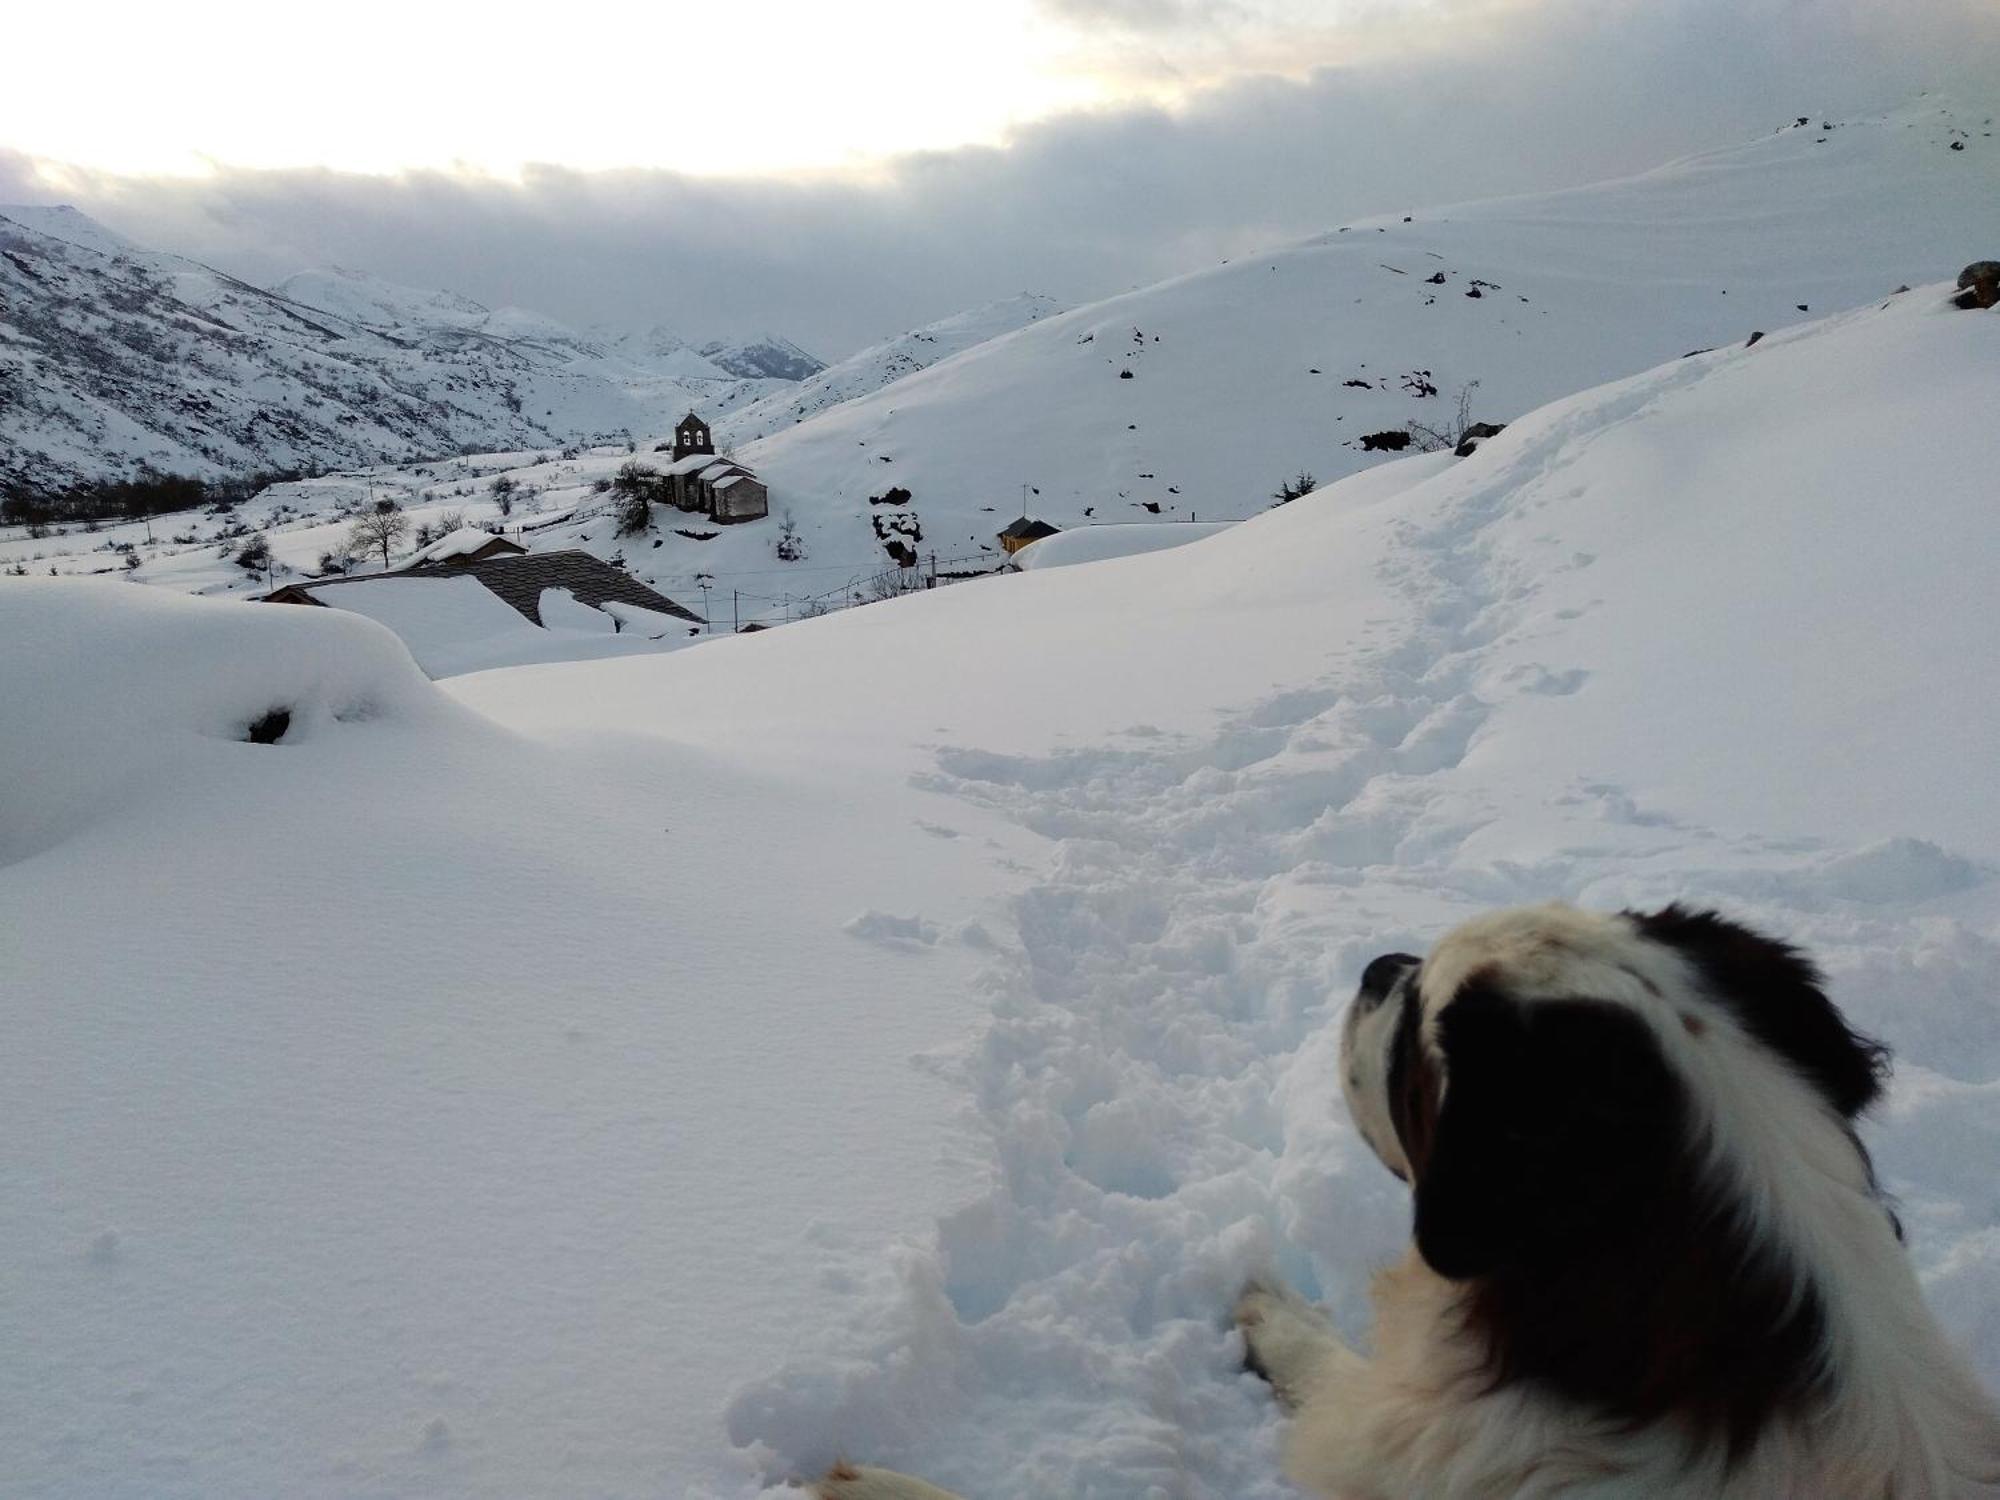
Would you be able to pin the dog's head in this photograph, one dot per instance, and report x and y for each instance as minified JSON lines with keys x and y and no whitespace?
{"x":1545,"y":1075}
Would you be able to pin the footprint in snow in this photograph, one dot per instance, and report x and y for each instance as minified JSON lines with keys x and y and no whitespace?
{"x":910,"y":933}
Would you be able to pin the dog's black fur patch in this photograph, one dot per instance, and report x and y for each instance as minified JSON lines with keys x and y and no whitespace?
{"x":1773,"y":991}
{"x":1566,"y":1187}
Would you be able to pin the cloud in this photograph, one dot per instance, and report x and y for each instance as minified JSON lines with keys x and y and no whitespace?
{"x":1502,"y":98}
{"x":1144,"y":15}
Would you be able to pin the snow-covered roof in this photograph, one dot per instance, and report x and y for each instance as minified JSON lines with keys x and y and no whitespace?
{"x":692,"y":463}
{"x":725,"y":482}
{"x":460,"y":543}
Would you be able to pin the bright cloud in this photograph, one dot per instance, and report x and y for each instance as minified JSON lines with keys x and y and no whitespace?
{"x":382,"y":85}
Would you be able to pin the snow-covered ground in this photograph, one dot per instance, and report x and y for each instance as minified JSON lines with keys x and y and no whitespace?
{"x":901,"y":1034}
{"x":1084,"y":544}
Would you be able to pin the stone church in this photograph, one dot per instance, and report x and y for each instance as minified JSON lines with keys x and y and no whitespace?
{"x":700,"y":482}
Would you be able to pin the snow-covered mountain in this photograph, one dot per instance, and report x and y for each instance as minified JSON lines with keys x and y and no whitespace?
{"x":1197,"y":397}
{"x":659,"y":350}
{"x":114,"y":357}
{"x":765,"y":358}
{"x":881,"y":364}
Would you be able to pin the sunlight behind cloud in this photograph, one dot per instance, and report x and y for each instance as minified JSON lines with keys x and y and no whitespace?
{"x":756,"y":86}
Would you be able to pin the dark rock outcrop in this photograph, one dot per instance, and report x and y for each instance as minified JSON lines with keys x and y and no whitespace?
{"x":1477,"y":433}
{"x":1979,"y":285}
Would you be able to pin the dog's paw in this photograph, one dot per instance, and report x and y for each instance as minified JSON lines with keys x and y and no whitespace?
{"x":845,"y":1481}
{"x":1286,"y":1340}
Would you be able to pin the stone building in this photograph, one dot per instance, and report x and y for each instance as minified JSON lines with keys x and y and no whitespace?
{"x":701,"y":483}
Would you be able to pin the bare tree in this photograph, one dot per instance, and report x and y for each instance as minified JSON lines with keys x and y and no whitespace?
{"x":1435,"y":439}
{"x":379,"y":529}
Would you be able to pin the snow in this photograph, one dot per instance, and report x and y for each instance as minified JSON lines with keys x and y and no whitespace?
{"x":692,"y":463}
{"x":560,"y":610}
{"x":1100,"y":543}
{"x":455,"y":624}
{"x":880,"y":364}
{"x":899,"y":1035}
{"x":462,"y":542}
{"x":650,"y":623}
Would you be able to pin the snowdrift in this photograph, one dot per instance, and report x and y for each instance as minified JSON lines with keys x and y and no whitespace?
{"x":114,"y":690}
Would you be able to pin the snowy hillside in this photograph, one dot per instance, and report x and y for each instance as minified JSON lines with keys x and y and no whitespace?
{"x":900,"y":1035}
{"x":1243,"y":375}
{"x":878,"y":365}
{"x":113,"y":357}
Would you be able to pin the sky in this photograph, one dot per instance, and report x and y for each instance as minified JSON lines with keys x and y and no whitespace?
{"x":836,"y":174}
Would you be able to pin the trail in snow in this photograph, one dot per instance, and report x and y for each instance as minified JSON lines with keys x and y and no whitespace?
{"x":1158,"y":1086}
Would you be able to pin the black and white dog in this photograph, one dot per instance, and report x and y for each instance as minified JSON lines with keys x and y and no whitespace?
{"x":1650,"y":1258}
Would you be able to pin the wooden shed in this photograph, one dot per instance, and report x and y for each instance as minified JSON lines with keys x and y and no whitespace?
{"x":1019,"y":533}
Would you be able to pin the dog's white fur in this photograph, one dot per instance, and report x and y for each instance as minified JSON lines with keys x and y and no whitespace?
{"x":1899,"y":1415}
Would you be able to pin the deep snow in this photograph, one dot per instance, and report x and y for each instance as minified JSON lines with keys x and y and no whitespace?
{"x":900,"y":1035}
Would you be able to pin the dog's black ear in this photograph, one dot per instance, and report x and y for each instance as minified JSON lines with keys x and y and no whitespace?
{"x":1560,"y":1123}
{"x":1775,"y":994}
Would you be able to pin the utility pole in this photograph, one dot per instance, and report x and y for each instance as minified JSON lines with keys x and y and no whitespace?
{"x":736,"y":611}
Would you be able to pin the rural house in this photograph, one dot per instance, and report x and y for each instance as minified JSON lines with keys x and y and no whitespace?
{"x":1019,"y":533}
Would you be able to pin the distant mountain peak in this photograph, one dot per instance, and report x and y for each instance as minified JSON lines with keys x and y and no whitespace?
{"x":766,"y":357}
{"x":66,"y":222}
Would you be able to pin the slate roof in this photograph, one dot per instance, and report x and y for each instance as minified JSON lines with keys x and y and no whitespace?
{"x":518,"y":582}
{"x":1032,"y":531}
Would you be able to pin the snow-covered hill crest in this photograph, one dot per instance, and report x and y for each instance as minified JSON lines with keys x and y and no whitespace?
{"x":883,"y":364}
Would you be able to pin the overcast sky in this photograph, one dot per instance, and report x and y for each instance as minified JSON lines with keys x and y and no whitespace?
{"x":838,"y":173}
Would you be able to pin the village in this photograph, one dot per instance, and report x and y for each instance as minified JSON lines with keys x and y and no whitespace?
{"x":477,"y":582}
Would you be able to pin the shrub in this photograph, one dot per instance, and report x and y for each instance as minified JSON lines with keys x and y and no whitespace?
{"x":1289,"y":490}
{"x":634,"y":489}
